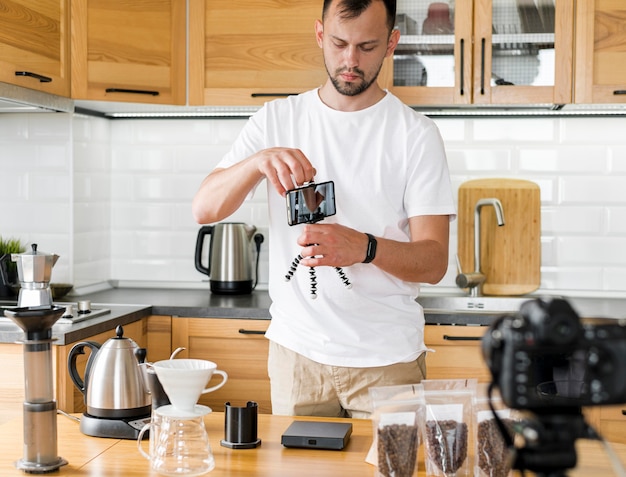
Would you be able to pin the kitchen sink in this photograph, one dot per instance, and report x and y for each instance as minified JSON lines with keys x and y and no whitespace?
{"x":467,"y":304}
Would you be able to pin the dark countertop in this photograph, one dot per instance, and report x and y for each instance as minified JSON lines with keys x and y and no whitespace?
{"x":131,"y":304}
{"x":189,"y":303}
{"x":203,"y":304}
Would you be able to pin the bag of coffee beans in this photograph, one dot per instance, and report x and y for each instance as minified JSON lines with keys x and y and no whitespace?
{"x":492,"y":456}
{"x":396,"y":435}
{"x":446,"y":426}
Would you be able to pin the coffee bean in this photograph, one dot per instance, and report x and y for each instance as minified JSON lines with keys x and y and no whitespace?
{"x":397,"y":450}
{"x":446,"y":444}
{"x":493,"y":455}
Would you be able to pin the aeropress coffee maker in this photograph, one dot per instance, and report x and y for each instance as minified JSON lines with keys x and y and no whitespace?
{"x":36,"y":319}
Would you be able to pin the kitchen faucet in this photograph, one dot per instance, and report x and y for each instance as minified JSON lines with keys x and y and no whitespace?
{"x":474,"y":281}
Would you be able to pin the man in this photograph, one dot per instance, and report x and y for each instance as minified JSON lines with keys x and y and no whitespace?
{"x":391,"y":182}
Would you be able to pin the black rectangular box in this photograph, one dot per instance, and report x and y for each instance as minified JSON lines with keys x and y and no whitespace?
{"x":317,"y":435}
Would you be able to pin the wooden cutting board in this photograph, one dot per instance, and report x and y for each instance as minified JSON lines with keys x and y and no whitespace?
{"x":511,"y":254}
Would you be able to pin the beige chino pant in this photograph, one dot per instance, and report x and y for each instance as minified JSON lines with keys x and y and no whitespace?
{"x":302,"y":387}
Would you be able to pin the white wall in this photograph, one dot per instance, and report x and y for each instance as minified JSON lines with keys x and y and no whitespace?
{"x":113,"y":197}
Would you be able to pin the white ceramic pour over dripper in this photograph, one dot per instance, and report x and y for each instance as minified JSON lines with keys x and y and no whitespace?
{"x":184,"y":380}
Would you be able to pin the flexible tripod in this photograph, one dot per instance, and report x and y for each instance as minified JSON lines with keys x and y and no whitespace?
{"x":313,"y":276}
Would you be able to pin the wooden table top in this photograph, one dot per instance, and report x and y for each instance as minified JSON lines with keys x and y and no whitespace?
{"x":91,"y":456}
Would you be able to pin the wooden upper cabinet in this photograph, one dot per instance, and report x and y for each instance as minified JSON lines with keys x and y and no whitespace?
{"x":245,"y":52}
{"x":35,"y":44}
{"x":126,"y":50}
{"x":483,"y":52}
{"x":600,"y":52}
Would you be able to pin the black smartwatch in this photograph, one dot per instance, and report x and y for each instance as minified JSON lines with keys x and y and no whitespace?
{"x":371,"y":248}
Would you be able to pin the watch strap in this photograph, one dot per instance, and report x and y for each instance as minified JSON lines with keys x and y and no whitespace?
{"x":371,"y":248}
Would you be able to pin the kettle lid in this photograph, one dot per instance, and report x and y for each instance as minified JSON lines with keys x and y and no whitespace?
{"x":119,"y":341}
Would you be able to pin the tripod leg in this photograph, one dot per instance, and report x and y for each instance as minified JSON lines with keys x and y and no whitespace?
{"x":313,"y":279}
{"x":343,"y":277}
{"x":292,"y":269}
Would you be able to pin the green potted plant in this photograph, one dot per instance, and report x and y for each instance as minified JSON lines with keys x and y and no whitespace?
{"x":8,"y":268}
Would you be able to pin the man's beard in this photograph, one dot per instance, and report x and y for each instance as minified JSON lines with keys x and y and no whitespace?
{"x":352,"y":88}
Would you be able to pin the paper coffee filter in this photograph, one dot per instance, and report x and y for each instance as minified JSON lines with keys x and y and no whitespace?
{"x":187,"y":363}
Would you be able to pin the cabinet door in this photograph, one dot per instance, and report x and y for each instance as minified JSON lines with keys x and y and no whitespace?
{"x":523,"y":51}
{"x":245,"y":52}
{"x":484,"y":52}
{"x":238,"y":347}
{"x":129,"y":51}
{"x":34,"y":44}
{"x":457,"y":352}
{"x":600,"y":52}
{"x":432,"y":64}
{"x":613,"y":423}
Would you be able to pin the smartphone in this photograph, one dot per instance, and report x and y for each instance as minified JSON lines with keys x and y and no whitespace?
{"x":310,"y":203}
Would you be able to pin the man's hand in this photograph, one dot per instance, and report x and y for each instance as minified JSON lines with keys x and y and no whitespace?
{"x":285,"y":168}
{"x":331,"y":245}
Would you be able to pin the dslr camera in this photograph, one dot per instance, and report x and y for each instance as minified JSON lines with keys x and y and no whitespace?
{"x":546,"y":357}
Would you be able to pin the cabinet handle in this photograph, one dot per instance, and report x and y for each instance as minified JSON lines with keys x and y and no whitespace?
{"x":462,"y":66}
{"x":243,"y":331}
{"x":461,"y":338}
{"x":269,"y":95}
{"x":623,"y":412}
{"x":619,"y":91}
{"x":41,"y":78}
{"x":482,"y":66}
{"x":132,"y":91}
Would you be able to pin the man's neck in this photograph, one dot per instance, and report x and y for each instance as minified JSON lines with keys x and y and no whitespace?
{"x":335,"y":100}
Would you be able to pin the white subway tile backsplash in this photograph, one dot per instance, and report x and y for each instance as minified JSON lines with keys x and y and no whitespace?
{"x":479,"y":160}
{"x":617,"y":221}
{"x":50,"y":187}
{"x":572,"y":278}
{"x":115,"y":196}
{"x":48,"y":127}
{"x":618,"y":159}
{"x":563,"y":221}
{"x":604,"y":190}
{"x":576,"y":130}
{"x":452,"y":129}
{"x":522,"y":130}
{"x":13,"y":127}
{"x":592,"y":251}
{"x":614,"y":279}
{"x":571,"y":159}
{"x":142,"y":159}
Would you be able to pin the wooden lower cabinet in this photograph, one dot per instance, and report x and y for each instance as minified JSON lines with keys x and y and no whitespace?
{"x":456,"y":352}
{"x":609,"y":421}
{"x":237,"y":346}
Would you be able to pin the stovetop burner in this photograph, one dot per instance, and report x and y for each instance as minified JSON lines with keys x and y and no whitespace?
{"x":75,"y":312}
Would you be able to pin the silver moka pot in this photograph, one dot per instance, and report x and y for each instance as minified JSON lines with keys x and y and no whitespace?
{"x":231,"y":262}
{"x":34,"y":269}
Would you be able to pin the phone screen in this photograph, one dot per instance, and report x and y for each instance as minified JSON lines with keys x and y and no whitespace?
{"x":311,"y":203}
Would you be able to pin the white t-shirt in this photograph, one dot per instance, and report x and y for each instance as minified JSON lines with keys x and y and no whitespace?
{"x":388,"y":164}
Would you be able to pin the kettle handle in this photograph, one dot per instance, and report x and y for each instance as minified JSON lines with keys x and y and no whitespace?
{"x":79,"y":348}
{"x":204,"y":230}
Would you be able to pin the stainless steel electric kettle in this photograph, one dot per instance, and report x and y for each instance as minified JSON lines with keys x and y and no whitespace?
{"x":113,"y":383}
{"x":231,"y":266}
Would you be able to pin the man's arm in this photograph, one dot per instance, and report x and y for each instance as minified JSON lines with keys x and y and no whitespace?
{"x":224,"y":190}
{"x":424,"y":259}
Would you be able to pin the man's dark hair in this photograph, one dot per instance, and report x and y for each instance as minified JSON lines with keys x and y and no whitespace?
{"x":349,"y":9}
